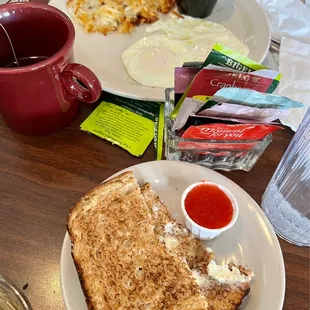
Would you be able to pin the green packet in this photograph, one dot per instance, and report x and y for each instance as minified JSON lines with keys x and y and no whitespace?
{"x":225,"y":57}
{"x":128,"y":123}
{"x":159,"y":132}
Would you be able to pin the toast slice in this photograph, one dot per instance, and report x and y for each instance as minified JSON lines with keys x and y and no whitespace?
{"x":224,"y":286}
{"x":119,"y":259}
{"x":177,"y":238}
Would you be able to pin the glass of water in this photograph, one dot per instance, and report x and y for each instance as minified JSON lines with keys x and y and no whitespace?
{"x":286,"y":200}
{"x":10,"y":297}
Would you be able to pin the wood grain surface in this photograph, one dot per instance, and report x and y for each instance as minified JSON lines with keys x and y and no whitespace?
{"x":42,"y":177}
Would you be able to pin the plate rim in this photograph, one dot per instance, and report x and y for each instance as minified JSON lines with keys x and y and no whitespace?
{"x":277,"y":247}
{"x":109,"y":88}
{"x":140,"y":92}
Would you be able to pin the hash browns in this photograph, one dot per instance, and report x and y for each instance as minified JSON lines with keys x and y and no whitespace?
{"x":117,"y":15}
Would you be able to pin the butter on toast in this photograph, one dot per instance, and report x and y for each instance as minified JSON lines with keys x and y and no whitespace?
{"x":177,"y":238}
{"x":224,"y":286}
{"x":119,"y":259}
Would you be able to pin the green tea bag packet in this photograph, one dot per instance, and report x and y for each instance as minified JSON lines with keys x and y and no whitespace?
{"x":125,"y":122}
{"x":224,"y":57}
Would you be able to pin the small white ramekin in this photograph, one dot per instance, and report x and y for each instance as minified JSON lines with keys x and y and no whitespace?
{"x":201,"y":232}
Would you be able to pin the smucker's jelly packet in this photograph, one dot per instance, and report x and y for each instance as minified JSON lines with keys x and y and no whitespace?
{"x":226,"y":57}
{"x":125,"y":122}
{"x":230,"y":132}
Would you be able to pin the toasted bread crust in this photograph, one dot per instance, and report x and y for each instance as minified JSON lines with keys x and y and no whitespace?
{"x":118,"y":182}
{"x":115,"y":221}
{"x":220,"y":296}
{"x":225,"y":296}
{"x":189,"y":247}
{"x":112,"y":234}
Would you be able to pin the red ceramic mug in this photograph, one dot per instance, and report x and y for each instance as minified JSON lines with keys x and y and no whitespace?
{"x":43,"y":94}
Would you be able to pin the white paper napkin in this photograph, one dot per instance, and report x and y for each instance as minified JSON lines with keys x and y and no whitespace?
{"x":295,"y":83}
{"x":288,"y":18}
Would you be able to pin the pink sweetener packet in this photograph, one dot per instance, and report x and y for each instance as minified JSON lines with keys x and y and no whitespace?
{"x":183,"y":76}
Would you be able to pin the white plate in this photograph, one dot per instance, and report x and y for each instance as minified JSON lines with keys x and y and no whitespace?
{"x":102,"y":54}
{"x":251,"y":241}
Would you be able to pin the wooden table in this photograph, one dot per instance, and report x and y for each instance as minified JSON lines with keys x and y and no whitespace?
{"x":41,"y":177}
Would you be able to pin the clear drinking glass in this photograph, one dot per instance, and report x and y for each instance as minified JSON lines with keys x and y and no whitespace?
{"x":10,"y":297}
{"x":286,"y":200}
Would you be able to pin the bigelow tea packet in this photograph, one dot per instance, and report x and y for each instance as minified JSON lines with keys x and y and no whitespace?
{"x":128,"y":123}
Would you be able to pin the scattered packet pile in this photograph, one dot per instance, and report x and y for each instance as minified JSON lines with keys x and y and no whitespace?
{"x":128,"y":123}
{"x":228,"y":97}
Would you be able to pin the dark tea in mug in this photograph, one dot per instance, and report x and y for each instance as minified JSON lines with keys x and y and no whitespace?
{"x":196,"y":8}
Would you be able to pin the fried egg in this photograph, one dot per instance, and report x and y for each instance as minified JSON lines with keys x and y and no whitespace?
{"x":200,"y":32}
{"x":151,"y":61}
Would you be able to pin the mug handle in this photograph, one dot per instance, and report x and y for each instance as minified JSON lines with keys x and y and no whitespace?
{"x":73,"y":74}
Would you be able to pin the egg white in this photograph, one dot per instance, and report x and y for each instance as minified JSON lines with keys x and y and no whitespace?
{"x":200,"y":32}
{"x":151,"y":61}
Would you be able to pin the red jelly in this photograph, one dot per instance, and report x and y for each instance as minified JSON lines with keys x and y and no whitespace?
{"x":209,"y":206}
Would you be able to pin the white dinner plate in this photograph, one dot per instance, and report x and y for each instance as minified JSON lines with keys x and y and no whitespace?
{"x":251,"y":241}
{"x":102,"y":54}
